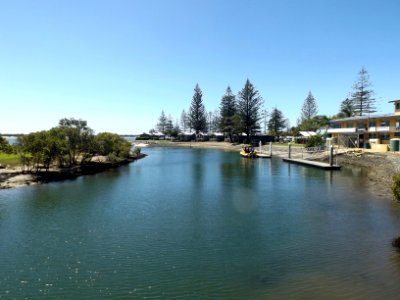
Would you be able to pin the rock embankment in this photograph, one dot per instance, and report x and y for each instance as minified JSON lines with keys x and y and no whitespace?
{"x":379,"y":166}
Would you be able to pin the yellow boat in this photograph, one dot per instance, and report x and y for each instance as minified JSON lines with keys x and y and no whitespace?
{"x":248,"y":153}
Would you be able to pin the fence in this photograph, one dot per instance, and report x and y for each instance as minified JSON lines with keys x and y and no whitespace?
{"x":320,"y":153}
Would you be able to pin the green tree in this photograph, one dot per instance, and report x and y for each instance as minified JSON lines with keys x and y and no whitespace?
{"x":276,"y":122}
{"x":5,"y":146}
{"x":228,"y":110}
{"x":346,"y":109}
{"x":43,"y":147}
{"x":309,"y":109}
{"x":169,"y":126}
{"x":249,"y":104}
{"x":77,"y":136}
{"x":162,"y":123}
{"x":314,"y":124}
{"x":363,"y":103}
{"x":113,"y":146}
{"x":197,"y":113}
{"x":314,"y":141}
{"x":175,"y":130}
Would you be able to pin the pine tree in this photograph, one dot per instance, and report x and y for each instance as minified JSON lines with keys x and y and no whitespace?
{"x":309,"y":109}
{"x":276,"y":122}
{"x":228,"y":110}
{"x":162,"y":122}
{"x":197,"y":112}
{"x":363,"y":103}
{"x":169,"y":126}
{"x":249,"y":105}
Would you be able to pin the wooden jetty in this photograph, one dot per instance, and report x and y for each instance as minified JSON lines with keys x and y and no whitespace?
{"x":312,"y":163}
{"x":263,"y":155}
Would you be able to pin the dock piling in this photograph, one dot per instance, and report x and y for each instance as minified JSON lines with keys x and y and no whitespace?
{"x":331,"y":156}
{"x":270,"y":148}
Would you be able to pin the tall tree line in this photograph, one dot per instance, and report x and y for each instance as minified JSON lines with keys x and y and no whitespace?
{"x":243,"y":113}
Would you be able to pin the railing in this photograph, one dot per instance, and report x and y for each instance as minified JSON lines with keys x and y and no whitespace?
{"x":320,"y":153}
{"x":379,"y":129}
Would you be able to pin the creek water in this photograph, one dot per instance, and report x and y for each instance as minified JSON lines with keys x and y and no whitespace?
{"x":201,"y":224}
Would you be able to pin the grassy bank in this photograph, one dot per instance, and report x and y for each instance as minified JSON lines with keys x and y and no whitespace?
{"x":9,"y":159}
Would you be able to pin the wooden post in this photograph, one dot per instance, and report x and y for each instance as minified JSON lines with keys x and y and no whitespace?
{"x":270,"y":148}
{"x":331,"y":156}
{"x":290,"y":150}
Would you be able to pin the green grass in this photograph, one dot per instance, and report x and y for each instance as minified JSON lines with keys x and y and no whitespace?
{"x":9,"y":159}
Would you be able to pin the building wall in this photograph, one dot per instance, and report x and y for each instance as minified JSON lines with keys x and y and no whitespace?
{"x":383,"y":129}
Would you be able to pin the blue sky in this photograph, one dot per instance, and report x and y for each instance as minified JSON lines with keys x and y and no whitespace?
{"x":117,"y":64}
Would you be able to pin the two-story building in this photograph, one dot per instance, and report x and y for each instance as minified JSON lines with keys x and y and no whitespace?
{"x":362,"y":131}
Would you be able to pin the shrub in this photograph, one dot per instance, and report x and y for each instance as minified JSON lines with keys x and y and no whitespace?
{"x":137,"y":150}
{"x":314,"y":141}
{"x":396,"y":186}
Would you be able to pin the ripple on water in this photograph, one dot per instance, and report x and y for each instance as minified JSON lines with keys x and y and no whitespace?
{"x":187,"y":224}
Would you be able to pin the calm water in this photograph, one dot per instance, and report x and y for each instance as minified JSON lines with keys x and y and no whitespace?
{"x":200,"y":224}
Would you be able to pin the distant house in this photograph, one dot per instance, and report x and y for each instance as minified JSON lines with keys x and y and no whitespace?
{"x":144,"y":136}
{"x":151,"y":136}
{"x":201,"y":136}
{"x":158,"y":135}
{"x":186,"y":136}
{"x":304,"y":136}
{"x":254,"y":139}
{"x":217,"y":137}
{"x":362,"y":131}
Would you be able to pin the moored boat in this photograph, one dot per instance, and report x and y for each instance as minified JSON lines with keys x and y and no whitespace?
{"x":248,"y":153}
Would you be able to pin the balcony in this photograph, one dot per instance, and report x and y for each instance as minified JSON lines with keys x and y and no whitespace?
{"x":379,"y":129}
{"x":341,"y":130}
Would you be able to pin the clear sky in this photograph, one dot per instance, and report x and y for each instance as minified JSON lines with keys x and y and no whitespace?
{"x":117,"y":63}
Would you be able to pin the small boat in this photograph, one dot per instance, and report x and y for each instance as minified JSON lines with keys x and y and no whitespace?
{"x":248,"y":153}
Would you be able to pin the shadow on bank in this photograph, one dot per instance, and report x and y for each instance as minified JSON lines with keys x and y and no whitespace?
{"x":23,"y":178}
{"x":88,"y":168}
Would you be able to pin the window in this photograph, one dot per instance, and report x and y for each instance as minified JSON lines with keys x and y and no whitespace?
{"x":397,"y":105}
{"x":384,"y":136}
{"x":360,"y":125}
{"x":335,"y":125}
{"x":372,"y":124}
{"x":384,"y":123}
{"x":349,"y":125}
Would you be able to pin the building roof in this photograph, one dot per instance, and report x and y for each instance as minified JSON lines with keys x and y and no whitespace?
{"x":367,"y":117}
{"x":308,"y":133}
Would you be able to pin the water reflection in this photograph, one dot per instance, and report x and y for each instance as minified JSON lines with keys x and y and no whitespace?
{"x":185,"y":223}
